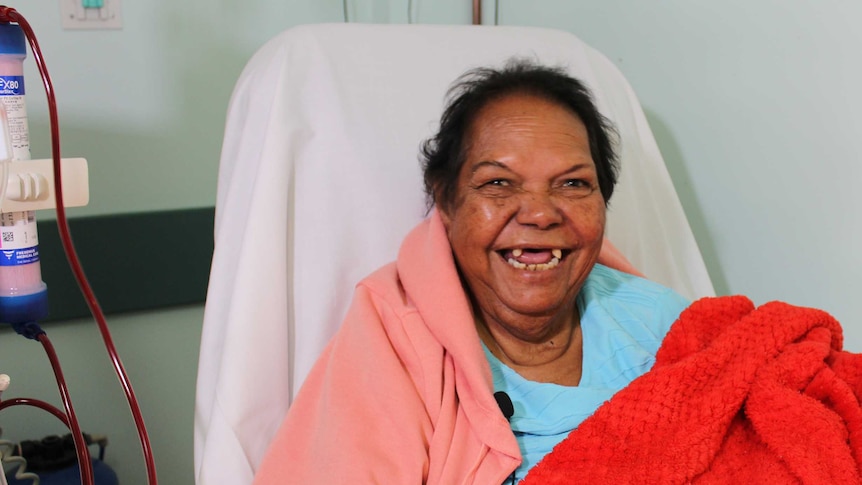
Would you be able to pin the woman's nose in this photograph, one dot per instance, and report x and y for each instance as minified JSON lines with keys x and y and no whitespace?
{"x":538,"y":210}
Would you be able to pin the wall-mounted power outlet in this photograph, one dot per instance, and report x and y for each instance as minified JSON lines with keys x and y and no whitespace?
{"x":91,"y":14}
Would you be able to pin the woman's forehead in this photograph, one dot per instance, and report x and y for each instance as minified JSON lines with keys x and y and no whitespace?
{"x":517,"y":109}
{"x":524,"y":122}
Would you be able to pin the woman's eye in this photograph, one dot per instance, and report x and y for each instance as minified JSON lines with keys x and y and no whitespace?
{"x":578,"y":187}
{"x":497,"y":183}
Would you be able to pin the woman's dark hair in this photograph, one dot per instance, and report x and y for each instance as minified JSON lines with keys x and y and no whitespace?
{"x":443,"y":154}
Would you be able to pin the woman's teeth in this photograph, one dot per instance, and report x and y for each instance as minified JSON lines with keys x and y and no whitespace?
{"x":553,"y":263}
{"x":535,"y":267}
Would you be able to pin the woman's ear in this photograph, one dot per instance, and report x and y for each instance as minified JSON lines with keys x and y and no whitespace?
{"x":446,"y":219}
{"x":443,"y":207}
{"x":444,"y":216}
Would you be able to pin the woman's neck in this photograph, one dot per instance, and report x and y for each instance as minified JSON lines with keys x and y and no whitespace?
{"x":556,"y":357}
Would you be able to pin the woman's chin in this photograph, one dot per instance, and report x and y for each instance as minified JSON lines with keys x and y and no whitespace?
{"x":531,"y":303}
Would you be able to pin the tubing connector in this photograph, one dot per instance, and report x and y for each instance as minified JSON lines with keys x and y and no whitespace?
{"x":31,"y":330}
{"x":6,"y":14}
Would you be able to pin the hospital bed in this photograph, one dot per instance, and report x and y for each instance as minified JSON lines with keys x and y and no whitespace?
{"x":319,"y":181}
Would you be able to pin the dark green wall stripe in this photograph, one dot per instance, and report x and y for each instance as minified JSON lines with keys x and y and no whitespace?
{"x":133,"y":261}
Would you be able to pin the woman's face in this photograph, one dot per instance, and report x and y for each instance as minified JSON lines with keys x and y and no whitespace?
{"x":528,"y":218}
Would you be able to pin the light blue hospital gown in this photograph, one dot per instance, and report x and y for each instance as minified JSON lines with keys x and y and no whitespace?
{"x":623,"y":319}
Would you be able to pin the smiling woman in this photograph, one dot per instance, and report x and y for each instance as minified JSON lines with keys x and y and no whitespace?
{"x":499,"y":292}
{"x":528,"y":189}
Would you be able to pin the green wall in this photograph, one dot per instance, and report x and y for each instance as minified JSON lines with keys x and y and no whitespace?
{"x":754,"y":106}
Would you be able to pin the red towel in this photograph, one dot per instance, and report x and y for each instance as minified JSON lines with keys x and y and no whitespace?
{"x":737,"y":395}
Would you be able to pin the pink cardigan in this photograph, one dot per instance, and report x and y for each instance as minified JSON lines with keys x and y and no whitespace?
{"x":403,"y":393}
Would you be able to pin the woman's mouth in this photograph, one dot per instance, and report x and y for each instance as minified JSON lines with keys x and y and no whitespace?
{"x":533,"y":259}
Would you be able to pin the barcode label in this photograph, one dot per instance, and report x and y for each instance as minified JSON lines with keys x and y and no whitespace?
{"x":18,"y":230}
